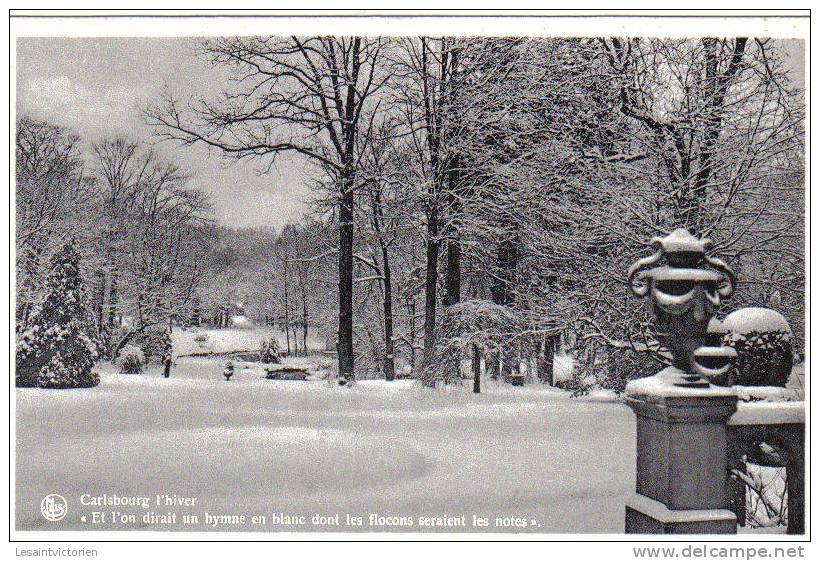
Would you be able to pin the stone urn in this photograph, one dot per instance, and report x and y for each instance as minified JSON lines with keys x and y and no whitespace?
{"x":684,"y":286}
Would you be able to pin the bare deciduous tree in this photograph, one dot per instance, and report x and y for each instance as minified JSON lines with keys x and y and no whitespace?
{"x":301,"y":95}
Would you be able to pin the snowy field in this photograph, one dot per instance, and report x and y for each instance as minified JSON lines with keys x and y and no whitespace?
{"x":200,"y":341}
{"x":253,"y":446}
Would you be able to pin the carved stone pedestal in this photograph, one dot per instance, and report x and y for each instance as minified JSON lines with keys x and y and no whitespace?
{"x":682,"y":482}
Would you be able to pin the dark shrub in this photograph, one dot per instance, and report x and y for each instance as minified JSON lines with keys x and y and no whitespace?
{"x":763,"y":341}
{"x":625,"y":365}
{"x":763,"y":358}
{"x":269,"y":351}
{"x":153,"y":344}
{"x":131,"y":360}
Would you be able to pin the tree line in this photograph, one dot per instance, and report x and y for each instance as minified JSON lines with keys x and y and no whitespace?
{"x":137,"y":227}
{"x":518,"y":176}
{"x":526,"y":172}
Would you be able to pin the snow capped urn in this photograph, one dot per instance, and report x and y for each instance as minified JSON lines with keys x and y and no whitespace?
{"x":685,"y":286}
{"x":228,"y":372}
{"x":714,"y":361}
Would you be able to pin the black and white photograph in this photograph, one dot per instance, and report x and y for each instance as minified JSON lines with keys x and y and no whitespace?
{"x":408,"y":276}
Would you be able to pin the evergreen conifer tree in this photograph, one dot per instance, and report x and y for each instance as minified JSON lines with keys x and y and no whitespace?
{"x":60,"y":347}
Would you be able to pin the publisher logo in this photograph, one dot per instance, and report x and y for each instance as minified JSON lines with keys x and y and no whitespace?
{"x":53,"y":507}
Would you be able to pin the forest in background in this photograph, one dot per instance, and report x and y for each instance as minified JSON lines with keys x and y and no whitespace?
{"x":468,"y":191}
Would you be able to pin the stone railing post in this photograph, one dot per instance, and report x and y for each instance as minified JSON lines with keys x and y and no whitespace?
{"x":682,"y":483}
{"x":781,"y":425}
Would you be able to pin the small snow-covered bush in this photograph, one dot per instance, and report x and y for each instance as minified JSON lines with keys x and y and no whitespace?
{"x":228,"y":371}
{"x":625,"y":365}
{"x":763,"y":358}
{"x":468,"y":325}
{"x":241,"y":322}
{"x":26,"y":366}
{"x":763,"y":341}
{"x":269,"y":351}
{"x":325,"y":364}
{"x":576,"y":385}
{"x":201,"y":338}
{"x":333,"y":371}
{"x":153,"y":344}
{"x":608,"y":368}
{"x":166,"y":345}
{"x":131,"y":360}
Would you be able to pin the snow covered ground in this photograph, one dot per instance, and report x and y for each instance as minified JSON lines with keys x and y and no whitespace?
{"x":254,"y":446}
{"x":199,"y":341}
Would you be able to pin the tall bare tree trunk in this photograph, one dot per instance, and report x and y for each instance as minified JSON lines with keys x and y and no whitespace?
{"x":320,"y":117}
{"x":295,"y":323}
{"x":389,"y":345}
{"x":377,"y":219}
{"x":303,"y":293}
{"x":453,"y":277}
{"x":411,"y":308}
{"x":304,"y":327}
{"x":431,"y":285}
{"x":287,"y":303}
{"x":545,"y":360}
{"x":476,"y":369}
{"x":716,"y":85}
{"x":452,"y":282}
{"x":493,"y":365}
{"x":99,"y":304}
{"x":506,"y":263}
{"x":112,"y":302}
{"x":345,"y":344}
{"x":433,"y":116}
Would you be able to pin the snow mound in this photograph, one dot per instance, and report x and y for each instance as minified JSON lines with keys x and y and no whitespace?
{"x":563,"y":365}
{"x":241,"y":322}
{"x":746,"y":320}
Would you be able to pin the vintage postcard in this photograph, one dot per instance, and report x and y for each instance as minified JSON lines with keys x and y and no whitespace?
{"x":408,"y":275}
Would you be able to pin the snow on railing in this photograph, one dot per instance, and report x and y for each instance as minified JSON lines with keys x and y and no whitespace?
{"x":769,"y":413}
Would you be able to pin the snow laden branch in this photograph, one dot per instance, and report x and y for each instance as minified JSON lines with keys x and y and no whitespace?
{"x":310,"y":96}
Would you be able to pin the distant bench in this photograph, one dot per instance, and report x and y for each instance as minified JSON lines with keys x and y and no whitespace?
{"x":282,"y":372}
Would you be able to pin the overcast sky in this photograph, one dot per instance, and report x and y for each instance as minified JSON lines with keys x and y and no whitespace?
{"x":99,"y":87}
